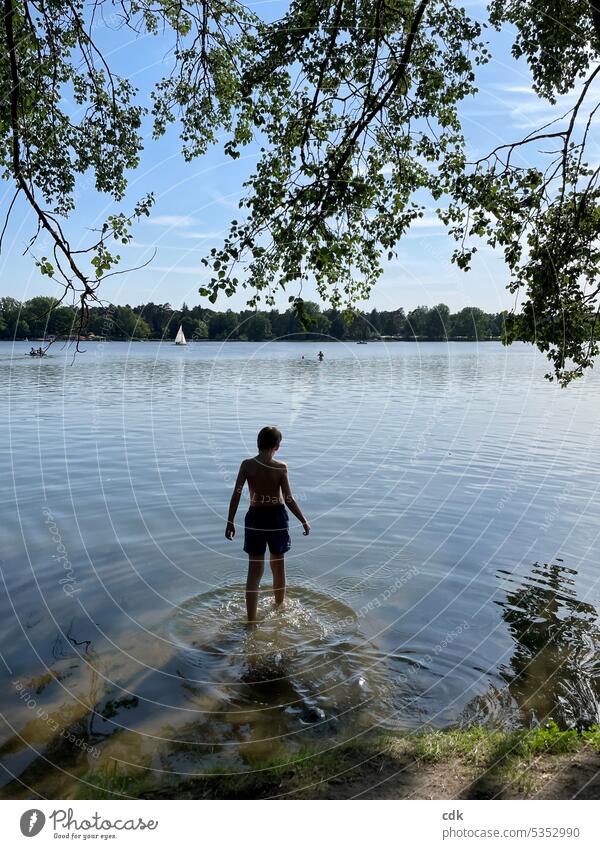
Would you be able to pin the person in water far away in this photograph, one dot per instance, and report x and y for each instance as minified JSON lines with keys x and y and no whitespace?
{"x":267,"y":520}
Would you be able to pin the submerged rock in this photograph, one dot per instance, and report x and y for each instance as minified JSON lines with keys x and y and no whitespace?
{"x":314,"y":714}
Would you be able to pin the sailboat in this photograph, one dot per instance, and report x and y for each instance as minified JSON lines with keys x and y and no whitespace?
{"x":180,"y":338}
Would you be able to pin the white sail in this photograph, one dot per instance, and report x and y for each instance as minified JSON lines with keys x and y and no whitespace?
{"x":180,"y":338}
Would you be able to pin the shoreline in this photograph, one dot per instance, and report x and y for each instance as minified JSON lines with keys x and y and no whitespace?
{"x":321,"y":341}
{"x":474,"y":763}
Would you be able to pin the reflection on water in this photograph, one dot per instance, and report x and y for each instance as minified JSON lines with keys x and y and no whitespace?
{"x":554,"y":671}
{"x":433,"y":475}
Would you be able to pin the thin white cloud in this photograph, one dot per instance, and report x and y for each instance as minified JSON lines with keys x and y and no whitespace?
{"x":177,"y":269}
{"x":528,"y":111}
{"x":427,"y":221}
{"x":513,"y":89}
{"x":195,"y":234}
{"x":173,"y":220}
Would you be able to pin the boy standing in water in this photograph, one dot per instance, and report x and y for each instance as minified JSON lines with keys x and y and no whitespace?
{"x":267,"y":519}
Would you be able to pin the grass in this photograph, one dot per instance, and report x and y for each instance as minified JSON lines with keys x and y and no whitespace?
{"x":494,"y":762}
{"x":474,"y":745}
{"x":108,"y":783}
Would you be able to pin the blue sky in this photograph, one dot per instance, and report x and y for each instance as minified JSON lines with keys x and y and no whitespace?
{"x":195,"y":201}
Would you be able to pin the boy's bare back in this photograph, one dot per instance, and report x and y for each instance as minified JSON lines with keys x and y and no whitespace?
{"x":267,"y":480}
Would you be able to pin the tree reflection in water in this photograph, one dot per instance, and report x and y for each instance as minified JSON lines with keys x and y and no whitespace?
{"x":554,"y":670}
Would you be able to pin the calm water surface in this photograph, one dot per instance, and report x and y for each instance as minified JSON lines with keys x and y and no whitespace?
{"x":451,"y":575}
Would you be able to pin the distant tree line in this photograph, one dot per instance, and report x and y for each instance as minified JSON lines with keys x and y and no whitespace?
{"x":43,"y":316}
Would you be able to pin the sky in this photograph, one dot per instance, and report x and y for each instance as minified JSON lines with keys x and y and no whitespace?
{"x":196,"y":201}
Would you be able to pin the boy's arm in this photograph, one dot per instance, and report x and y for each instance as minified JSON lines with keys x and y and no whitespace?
{"x":291,"y":503}
{"x":235,"y":500}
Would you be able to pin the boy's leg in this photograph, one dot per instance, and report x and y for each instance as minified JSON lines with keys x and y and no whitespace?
{"x":278,"y":569}
{"x":256,"y":565}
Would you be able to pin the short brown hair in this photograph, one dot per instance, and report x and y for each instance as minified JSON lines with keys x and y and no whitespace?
{"x":268,"y":437}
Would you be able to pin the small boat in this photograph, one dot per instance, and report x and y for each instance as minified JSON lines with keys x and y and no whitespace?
{"x":361,"y":342}
{"x":180,"y":338}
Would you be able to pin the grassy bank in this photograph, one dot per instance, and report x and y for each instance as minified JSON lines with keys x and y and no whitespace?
{"x":473,"y":763}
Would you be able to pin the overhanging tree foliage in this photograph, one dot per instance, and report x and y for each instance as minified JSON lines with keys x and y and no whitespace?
{"x":48,"y":50}
{"x":357,"y":106}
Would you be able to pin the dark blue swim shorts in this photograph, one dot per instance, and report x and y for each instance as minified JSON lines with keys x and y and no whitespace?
{"x":267,"y":525}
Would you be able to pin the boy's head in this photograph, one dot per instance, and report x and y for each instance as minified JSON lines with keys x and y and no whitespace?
{"x":268,"y":439}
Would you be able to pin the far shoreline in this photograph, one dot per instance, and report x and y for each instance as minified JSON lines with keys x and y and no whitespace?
{"x":319,"y":340}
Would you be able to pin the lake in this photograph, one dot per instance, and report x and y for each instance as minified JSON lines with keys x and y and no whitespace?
{"x":450,"y":577}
